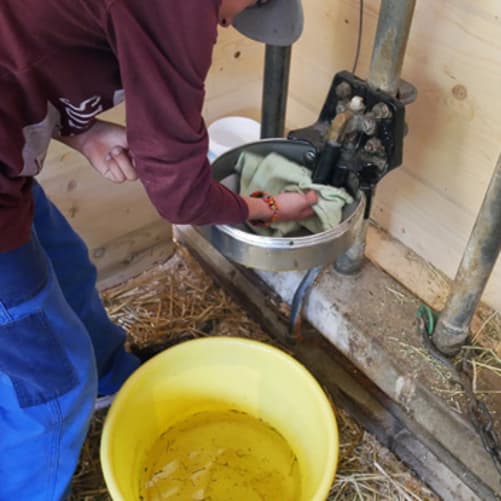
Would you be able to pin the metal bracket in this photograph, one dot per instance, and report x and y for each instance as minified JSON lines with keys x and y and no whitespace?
{"x":373,"y":142}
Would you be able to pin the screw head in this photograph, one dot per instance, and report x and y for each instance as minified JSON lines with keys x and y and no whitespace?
{"x":341,"y":108}
{"x":310,"y":157}
{"x":369,"y":126}
{"x":381,"y":111}
{"x":373,"y":145}
{"x":357,"y":104}
{"x":343,"y":90}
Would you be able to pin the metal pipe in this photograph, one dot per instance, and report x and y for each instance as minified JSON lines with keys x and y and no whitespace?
{"x":275,"y":90}
{"x":351,"y":262}
{"x":474,"y":271}
{"x":394,"y":24}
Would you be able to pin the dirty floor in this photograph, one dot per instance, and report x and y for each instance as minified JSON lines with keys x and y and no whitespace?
{"x":177,"y":300}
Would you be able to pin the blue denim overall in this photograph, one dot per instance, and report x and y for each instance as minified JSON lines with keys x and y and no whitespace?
{"x":58,"y":350}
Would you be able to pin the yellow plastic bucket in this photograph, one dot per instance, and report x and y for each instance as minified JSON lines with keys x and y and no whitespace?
{"x":219,"y":372}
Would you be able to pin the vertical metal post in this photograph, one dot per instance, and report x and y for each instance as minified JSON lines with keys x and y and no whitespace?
{"x":394,"y":24}
{"x":474,"y":271}
{"x":388,"y":53}
{"x":275,"y":90}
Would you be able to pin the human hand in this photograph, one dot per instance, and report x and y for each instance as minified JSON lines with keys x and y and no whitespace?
{"x":295,"y":206}
{"x":291,"y":207}
{"x":106,"y":148}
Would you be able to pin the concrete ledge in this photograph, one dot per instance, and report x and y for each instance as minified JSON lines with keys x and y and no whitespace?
{"x":362,"y":316}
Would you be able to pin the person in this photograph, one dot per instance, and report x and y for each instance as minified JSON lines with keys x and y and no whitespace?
{"x":63,"y":62}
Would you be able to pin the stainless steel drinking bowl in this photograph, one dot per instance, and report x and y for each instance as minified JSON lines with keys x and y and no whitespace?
{"x":239,"y":244}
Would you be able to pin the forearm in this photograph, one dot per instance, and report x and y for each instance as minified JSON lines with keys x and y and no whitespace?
{"x":77,"y":141}
{"x":73,"y":142}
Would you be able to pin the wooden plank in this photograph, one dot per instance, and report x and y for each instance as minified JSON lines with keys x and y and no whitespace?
{"x":134,"y":264}
{"x":236,"y":61}
{"x":127,"y":250}
{"x":97,"y":208}
{"x":233,"y":103}
{"x":427,"y":283}
{"x":118,"y":222}
{"x":454,"y":59}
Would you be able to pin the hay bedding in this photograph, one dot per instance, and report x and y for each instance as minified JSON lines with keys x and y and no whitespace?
{"x":178,"y":300}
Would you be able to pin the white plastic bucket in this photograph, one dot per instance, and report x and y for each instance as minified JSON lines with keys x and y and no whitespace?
{"x":230,"y":132}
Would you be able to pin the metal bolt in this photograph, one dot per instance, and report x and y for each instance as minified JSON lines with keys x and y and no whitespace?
{"x":343,"y":90}
{"x":369,"y":125}
{"x":373,"y":145}
{"x":341,"y":108}
{"x":381,"y":164}
{"x":381,"y":111}
{"x":357,"y":104}
{"x":310,"y":157}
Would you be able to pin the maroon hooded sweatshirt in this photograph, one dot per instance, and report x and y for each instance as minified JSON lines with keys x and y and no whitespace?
{"x":62,"y":62}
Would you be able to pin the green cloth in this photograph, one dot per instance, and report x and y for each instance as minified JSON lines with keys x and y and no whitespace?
{"x":276,"y":174}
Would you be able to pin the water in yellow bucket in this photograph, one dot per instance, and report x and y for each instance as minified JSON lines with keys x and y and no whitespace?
{"x":221,"y":455}
{"x":179,"y":403}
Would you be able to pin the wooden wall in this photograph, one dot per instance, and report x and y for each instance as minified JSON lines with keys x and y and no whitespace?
{"x":454,"y":59}
{"x":429,"y":205}
{"x":124,"y":233}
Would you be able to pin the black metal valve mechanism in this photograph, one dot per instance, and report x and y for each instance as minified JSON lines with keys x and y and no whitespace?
{"x":359,"y":135}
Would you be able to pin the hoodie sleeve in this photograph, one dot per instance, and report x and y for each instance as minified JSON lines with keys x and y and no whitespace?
{"x":164,"y":49}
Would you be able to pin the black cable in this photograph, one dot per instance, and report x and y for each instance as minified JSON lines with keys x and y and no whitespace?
{"x":301,"y":292}
{"x":360,"y":34}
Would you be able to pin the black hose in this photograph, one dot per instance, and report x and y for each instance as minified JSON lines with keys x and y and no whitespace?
{"x":298,"y":300}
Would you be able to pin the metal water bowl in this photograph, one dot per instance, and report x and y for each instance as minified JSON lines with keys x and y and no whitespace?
{"x":238,"y":243}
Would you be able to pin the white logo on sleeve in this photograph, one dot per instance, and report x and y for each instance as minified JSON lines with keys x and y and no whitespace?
{"x":81,"y":115}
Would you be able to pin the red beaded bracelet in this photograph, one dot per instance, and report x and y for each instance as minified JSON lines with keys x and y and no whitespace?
{"x":272,"y":204}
